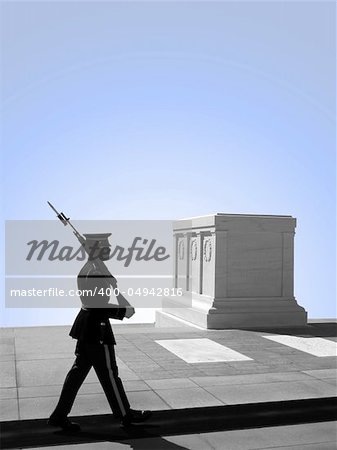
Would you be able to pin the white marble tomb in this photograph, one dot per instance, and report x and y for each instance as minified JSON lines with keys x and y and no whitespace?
{"x":235,"y":270}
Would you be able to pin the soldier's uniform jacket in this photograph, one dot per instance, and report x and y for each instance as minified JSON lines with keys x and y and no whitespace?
{"x":92,"y":322}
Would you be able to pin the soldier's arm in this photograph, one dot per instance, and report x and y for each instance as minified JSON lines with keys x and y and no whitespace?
{"x":95,"y":299}
{"x":123,"y":303}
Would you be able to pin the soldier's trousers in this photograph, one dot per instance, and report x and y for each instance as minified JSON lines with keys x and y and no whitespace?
{"x":102,"y":358}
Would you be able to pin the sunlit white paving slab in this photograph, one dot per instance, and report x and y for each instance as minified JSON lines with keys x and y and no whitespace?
{"x":314,"y":346}
{"x":201,"y":350}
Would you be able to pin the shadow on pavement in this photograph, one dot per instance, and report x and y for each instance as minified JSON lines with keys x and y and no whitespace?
{"x":102,"y":428}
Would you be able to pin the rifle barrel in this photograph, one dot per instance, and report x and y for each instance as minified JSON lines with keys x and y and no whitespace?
{"x":52,"y":207}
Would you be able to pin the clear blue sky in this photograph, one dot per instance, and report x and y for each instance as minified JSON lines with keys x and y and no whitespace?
{"x":164,"y":110}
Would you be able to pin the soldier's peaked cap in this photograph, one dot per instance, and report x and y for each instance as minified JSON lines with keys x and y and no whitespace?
{"x":101,"y":238}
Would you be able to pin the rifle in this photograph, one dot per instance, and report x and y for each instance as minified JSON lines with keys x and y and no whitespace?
{"x":66,"y":221}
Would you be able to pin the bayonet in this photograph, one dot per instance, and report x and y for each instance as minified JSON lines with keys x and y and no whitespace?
{"x":66,"y":221}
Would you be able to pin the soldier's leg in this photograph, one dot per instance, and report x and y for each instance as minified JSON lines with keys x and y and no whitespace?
{"x":106,"y":369}
{"x":73,"y":381}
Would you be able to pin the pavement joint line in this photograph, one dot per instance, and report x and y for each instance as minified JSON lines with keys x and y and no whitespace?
{"x":315,"y":378}
{"x":204,"y":438}
{"x":162,"y":399}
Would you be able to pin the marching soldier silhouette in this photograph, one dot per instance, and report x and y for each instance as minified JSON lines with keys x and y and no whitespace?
{"x":95,"y":339}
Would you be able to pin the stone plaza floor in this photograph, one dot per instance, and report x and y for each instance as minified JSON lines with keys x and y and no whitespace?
{"x":177,"y":368}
